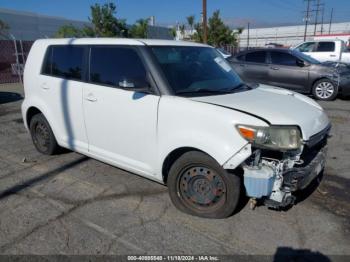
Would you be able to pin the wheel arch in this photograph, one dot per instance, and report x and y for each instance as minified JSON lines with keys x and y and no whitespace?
{"x":172,"y":157}
{"x":32,"y":111}
{"x":318,"y":79}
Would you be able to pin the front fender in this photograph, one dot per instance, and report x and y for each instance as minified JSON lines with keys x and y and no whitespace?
{"x":205,"y":127}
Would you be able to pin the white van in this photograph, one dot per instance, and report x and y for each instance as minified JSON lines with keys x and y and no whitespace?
{"x":174,"y":112}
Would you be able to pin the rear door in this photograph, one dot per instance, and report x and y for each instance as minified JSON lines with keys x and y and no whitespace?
{"x":286,"y":72}
{"x":254,"y":67}
{"x":60,"y":85}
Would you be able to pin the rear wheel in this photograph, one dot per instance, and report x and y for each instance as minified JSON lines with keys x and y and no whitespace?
{"x":42,"y":135}
{"x":199,"y":186}
{"x":325,"y":90}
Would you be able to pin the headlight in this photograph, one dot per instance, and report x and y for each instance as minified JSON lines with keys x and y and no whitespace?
{"x":273,"y":137}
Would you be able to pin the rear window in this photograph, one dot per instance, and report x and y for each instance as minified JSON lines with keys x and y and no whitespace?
{"x":326,"y":47}
{"x":256,"y":57}
{"x":64,"y":61}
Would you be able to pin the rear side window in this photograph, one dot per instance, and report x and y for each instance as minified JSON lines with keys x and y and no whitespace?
{"x":281,"y":58}
{"x":112,"y":65}
{"x":64,"y":61}
{"x":326,"y":47}
{"x":256,"y":57}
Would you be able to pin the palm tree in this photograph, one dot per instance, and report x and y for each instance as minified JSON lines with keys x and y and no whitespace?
{"x":190,"y":21}
{"x":182,"y":31}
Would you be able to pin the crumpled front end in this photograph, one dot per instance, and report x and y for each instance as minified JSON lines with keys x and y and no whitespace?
{"x":273,"y":176}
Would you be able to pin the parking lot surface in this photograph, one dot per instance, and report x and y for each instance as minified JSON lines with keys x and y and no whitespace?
{"x":71,"y":204}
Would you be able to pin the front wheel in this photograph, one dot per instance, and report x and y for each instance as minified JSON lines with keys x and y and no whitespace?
{"x":199,"y":186}
{"x":325,"y":90}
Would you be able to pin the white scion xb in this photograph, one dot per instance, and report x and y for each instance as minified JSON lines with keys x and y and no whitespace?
{"x":177,"y":113}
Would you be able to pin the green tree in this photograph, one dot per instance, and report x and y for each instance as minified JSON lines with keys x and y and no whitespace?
{"x":219,"y":33}
{"x":182,"y":30}
{"x":69,"y":31}
{"x":105,"y":23}
{"x":239,"y":30}
{"x":191,"y":21}
{"x":140,"y":29}
{"x":3,"y":27}
{"x":198,"y":34}
{"x":173,"y":32}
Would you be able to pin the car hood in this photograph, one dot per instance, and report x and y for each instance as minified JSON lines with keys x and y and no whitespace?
{"x":276,"y":106}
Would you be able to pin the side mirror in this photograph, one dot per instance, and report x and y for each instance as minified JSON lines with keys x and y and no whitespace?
{"x":135,"y":86}
{"x":301,"y":63}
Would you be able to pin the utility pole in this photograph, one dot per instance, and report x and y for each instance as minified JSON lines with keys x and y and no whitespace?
{"x":307,"y":17}
{"x":205,"y":29}
{"x":248,"y":39}
{"x":322,"y":19}
{"x":330,"y":22}
{"x":316,"y":17}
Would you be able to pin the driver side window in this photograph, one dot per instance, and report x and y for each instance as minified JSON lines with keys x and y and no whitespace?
{"x":114,"y":65}
{"x":307,"y":47}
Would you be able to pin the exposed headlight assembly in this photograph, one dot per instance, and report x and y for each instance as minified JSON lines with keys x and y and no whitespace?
{"x":273,"y":137}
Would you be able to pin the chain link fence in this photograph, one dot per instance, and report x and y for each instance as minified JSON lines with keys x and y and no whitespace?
{"x":13,"y":54}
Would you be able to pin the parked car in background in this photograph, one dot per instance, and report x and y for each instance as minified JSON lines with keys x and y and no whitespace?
{"x":325,"y":50}
{"x":177,"y":113}
{"x":224,"y":53}
{"x":274,"y":45}
{"x":293,"y":70}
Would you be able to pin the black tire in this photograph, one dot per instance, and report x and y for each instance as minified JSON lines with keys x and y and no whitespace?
{"x":192,"y":180}
{"x":42,"y":135}
{"x":325,"y":90}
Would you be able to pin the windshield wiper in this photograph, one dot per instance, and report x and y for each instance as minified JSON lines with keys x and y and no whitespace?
{"x":216,"y":91}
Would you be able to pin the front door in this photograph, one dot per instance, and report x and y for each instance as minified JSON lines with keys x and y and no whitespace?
{"x":286,"y":72}
{"x":121,"y":124}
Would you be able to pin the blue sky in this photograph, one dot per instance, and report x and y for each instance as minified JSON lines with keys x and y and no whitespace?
{"x":167,"y":12}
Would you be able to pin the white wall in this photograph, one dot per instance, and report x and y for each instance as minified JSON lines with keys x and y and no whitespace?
{"x":288,"y":35}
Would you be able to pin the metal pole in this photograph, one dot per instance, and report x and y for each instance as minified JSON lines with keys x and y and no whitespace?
{"x":205,"y":29}
{"x":17,"y":60}
{"x":330,"y":22}
{"x":316,"y":18}
{"x":322,"y":19}
{"x":22,"y":52}
{"x":307,"y":18}
{"x":248,"y":39}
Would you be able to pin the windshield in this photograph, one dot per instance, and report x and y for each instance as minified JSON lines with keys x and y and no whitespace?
{"x":306,"y":58}
{"x":196,"y":70}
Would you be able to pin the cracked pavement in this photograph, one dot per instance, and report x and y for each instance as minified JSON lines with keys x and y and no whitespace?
{"x":71,"y":204}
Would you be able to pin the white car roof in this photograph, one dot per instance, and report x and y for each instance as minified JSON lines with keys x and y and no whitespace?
{"x":117,"y":41}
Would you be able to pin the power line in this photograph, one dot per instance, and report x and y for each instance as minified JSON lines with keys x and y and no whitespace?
{"x":330,"y":22}
{"x":307,"y":17}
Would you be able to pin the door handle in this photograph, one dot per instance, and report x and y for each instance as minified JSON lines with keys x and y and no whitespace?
{"x":274,"y":68}
{"x":242,"y":65}
{"x":45,"y":86}
{"x":332,"y":55}
{"x":90,"y":97}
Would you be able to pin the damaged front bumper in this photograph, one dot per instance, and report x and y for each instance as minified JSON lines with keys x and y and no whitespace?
{"x":275,"y":179}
